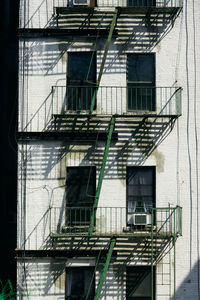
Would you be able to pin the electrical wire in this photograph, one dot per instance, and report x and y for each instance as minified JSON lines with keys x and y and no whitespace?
{"x":188,"y":130}
{"x":196,"y":142}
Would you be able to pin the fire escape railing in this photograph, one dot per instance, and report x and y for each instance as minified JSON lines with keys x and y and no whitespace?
{"x":113,"y":100}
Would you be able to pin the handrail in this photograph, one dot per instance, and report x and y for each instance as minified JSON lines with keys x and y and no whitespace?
{"x":116,"y":100}
{"x":125,"y":3}
{"x":117,"y":221}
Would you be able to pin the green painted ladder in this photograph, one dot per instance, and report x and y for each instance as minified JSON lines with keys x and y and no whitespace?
{"x":105,"y":269}
{"x":101,"y":175}
{"x":114,"y":20}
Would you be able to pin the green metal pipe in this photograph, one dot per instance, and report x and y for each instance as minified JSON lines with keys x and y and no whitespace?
{"x":101,"y":175}
{"x":105,"y":269}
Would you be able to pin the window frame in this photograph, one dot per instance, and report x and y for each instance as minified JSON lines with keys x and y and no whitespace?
{"x":79,"y":93}
{"x":153,"y":168}
{"x":154,"y":281}
{"x":136,"y":2}
{"x":153,"y":54}
{"x":89,"y":205}
{"x":81,"y":269}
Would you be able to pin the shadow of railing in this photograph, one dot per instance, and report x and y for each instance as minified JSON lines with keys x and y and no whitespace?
{"x":42,"y":117}
{"x":39,"y":235}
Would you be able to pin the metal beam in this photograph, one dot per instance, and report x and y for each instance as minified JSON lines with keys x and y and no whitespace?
{"x":112,"y":27}
{"x":101,"y":175}
{"x":105,"y":269}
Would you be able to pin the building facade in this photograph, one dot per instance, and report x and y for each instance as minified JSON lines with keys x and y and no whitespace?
{"x":108,"y":150}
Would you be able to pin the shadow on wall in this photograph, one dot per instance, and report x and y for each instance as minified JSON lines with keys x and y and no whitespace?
{"x":150,"y":28}
{"x":189,"y":288}
{"x":46,"y":278}
{"x":41,"y":278}
{"x":137,"y":139}
{"x":140,"y":33}
{"x":136,"y":31}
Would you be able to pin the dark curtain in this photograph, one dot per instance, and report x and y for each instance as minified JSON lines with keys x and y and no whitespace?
{"x":140,"y":189}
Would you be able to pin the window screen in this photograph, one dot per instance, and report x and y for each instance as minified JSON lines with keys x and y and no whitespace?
{"x":81,"y":80}
{"x":138,"y":283}
{"x":140,"y":189}
{"x":80,"y":283}
{"x":141,"y":81}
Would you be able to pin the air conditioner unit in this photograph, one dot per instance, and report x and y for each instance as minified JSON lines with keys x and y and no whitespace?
{"x":80,"y":2}
{"x":139,"y":219}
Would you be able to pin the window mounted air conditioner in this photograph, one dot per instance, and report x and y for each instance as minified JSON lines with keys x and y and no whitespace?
{"x":80,"y":2}
{"x":139,"y":219}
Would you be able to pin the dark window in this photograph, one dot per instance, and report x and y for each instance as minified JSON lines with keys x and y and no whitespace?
{"x":141,"y":2}
{"x":81,"y":80}
{"x":81,"y":188}
{"x":80,"y":283}
{"x":140,"y":190}
{"x":141,"y":81}
{"x":138,"y":283}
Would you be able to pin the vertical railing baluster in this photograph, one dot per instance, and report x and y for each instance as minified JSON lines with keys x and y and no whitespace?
{"x":110,"y":219}
{"x":116,"y":219}
{"x":111,"y":98}
{"x":116,"y":100}
{"x":106,"y":101}
{"x":106,"y":229}
{"x":121,"y":224}
{"x":146,"y":100}
{"x":136,"y":97}
{"x":100,"y":220}
{"x":121,"y":99}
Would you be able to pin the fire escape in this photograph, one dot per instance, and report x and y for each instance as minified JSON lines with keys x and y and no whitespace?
{"x":148,"y":104}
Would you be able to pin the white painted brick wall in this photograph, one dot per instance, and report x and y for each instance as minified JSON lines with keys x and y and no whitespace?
{"x":43,"y":65}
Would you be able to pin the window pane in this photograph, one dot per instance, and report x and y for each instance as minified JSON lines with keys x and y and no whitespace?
{"x":80,"y":191}
{"x":141,"y":2}
{"x":138,"y":283}
{"x":141,"y":68}
{"x":80,"y":283}
{"x":81,"y":185}
{"x":140,"y":189}
{"x":141,"y":82}
{"x":81,"y":67}
{"x":81,"y":79}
